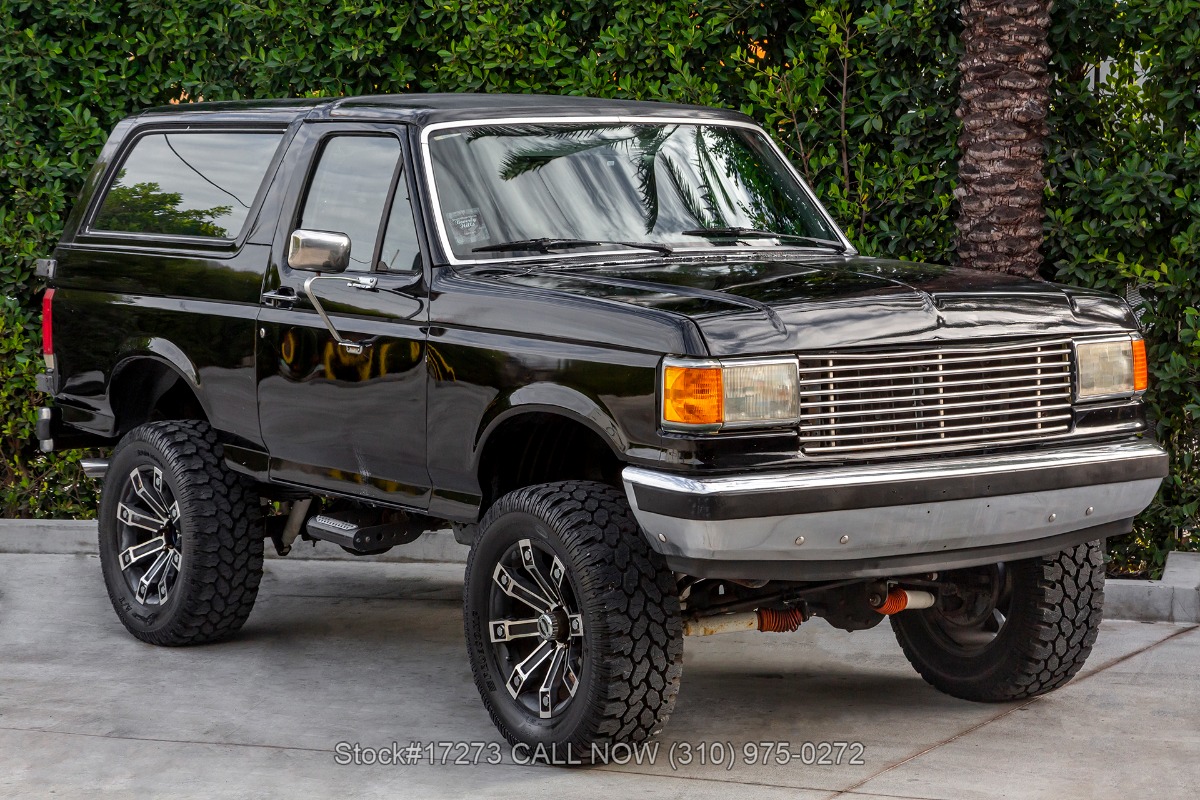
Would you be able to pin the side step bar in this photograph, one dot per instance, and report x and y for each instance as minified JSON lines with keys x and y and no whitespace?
{"x":365,"y":532}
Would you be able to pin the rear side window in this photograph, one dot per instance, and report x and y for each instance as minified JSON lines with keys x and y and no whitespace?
{"x":188,"y":184}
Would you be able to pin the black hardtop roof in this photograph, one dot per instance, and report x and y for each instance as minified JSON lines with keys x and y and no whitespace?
{"x":423,"y":109}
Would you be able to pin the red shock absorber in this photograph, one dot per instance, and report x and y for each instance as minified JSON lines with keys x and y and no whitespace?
{"x":779,"y":620}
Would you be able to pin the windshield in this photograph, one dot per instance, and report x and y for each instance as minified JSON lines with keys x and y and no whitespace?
{"x":666,"y":184}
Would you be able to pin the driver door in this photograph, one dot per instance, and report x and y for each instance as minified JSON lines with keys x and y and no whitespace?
{"x":341,"y":401}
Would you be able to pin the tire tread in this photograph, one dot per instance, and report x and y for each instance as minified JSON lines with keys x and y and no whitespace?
{"x":227,"y":552}
{"x":640,"y":664}
{"x":1057,"y":628}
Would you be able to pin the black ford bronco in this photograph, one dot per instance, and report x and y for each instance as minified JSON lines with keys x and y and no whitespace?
{"x":622,"y":350}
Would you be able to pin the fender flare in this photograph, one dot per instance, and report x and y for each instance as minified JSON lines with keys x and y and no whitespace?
{"x":165,"y":353}
{"x":554,"y":399}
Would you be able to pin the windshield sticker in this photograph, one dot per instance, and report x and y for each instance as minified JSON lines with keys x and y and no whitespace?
{"x":467,"y":226}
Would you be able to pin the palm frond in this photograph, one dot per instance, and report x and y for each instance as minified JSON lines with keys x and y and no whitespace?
{"x":535,"y":157}
{"x":694,"y":204}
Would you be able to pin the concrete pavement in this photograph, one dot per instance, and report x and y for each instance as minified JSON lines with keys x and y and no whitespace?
{"x":372,"y":653}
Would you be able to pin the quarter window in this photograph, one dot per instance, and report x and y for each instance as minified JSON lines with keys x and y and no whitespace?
{"x":400,"y":252}
{"x":188,"y":183}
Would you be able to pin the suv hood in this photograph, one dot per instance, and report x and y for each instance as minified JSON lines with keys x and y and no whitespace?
{"x":826,"y":302}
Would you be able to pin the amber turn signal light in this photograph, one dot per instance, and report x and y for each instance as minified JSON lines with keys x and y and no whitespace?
{"x":693,"y":395}
{"x":1141,"y":373}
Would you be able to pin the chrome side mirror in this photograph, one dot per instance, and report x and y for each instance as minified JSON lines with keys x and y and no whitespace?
{"x":318,"y":251}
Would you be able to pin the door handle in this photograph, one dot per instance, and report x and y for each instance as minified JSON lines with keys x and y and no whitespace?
{"x":283,"y":297}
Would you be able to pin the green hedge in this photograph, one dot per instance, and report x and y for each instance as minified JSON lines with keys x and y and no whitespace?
{"x":860,"y":94}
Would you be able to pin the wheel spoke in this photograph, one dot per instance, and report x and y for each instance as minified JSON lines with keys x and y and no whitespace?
{"x":164,"y":582}
{"x":505,"y":630}
{"x":530,"y":563}
{"x":551,"y":683}
{"x":518,"y":591}
{"x":522,"y":671}
{"x":153,"y":574}
{"x":138,"y":519}
{"x":557,"y":573}
{"x":136,"y":553}
{"x":151,"y":497}
{"x":570,"y":679}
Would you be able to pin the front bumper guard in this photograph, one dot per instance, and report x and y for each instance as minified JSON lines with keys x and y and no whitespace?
{"x":893,"y":519}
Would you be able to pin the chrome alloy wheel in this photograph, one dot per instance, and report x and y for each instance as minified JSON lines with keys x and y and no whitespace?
{"x":535,"y":629}
{"x":148,"y":540}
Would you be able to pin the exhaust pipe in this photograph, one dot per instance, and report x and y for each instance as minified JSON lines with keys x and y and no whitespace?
{"x":94,"y":468}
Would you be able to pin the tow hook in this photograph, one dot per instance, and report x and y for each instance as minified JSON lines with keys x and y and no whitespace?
{"x":900,"y":599}
{"x":770,"y":620}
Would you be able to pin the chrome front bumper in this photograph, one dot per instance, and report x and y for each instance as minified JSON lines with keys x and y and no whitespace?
{"x":888,"y":519}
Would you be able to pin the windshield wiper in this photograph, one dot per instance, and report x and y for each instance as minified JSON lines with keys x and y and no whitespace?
{"x":546,"y":245}
{"x":757,"y":233}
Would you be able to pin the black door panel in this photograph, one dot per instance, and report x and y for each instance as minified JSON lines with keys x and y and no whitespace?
{"x":333,"y":418}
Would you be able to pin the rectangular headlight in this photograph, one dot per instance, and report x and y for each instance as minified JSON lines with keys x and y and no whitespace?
{"x":1110,"y":368}
{"x":710,"y":395}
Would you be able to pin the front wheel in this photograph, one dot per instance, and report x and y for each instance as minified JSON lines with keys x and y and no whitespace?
{"x":1009,"y":631}
{"x":572,"y":622}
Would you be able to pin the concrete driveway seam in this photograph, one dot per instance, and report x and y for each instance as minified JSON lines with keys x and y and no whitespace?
{"x":850,"y":790}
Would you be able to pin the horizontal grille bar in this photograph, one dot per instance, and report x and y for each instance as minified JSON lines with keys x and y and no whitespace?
{"x":942,"y":431}
{"x":933,"y":398}
{"x":864,"y":403}
{"x":927,"y":384}
{"x":1062,"y":356}
{"x":1060,"y":367}
{"x":932,"y":406}
{"x":991,"y":438}
{"x":951,"y":417}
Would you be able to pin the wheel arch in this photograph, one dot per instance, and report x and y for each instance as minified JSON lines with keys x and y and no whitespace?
{"x":542,"y":433}
{"x":156,"y":380}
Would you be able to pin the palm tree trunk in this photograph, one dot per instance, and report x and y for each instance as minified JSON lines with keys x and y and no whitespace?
{"x":1002,"y":104}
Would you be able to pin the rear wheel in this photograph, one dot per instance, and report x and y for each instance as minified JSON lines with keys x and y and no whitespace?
{"x":181,"y":540}
{"x":1009,"y":631}
{"x":572,"y":622}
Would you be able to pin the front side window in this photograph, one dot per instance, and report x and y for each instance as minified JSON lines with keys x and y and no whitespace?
{"x":349,"y":190}
{"x":188,"y":183}
{"x":638,"y":182}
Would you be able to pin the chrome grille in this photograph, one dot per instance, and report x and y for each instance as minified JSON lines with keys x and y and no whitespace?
{"x":956,"y":397}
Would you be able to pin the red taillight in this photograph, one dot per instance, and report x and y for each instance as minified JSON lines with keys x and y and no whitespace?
{"x":48,"y":323}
